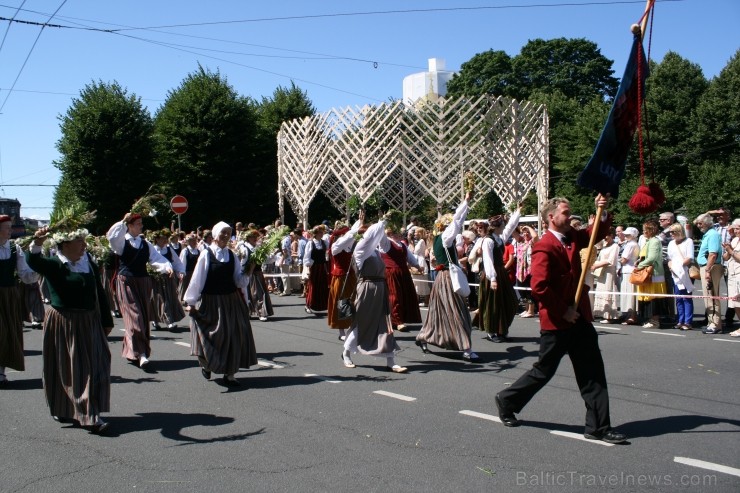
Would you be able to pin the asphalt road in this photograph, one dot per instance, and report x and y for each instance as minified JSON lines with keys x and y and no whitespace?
{"x":302,"y":422}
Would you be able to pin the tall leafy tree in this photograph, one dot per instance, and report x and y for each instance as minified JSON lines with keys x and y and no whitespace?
{"x":489,"y":72}
{"x":286,"y":103}
{"x":206,"y":141}
{"x":106,"y":151}
{"x":715,"y":165}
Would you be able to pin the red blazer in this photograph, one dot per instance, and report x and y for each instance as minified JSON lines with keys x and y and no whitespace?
{"x":555,"y":273}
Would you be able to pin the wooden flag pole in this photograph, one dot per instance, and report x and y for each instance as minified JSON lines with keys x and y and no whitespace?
{"x":636,"y":29}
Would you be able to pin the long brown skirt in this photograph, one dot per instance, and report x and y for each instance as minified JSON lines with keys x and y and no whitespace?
{"x":221,"y":335}
{"x":448,"y":322}
{"x":497,"y":307}
{"x":34,"y":304}
{"x":372,"y":319}
{"x":11,"y":329}
{"x":135,"y":300}
{"x":335,"y":285}
{"x":167,"y":301}
{"x":317,"y":292}
{"x":402,"y":295}
{"x":76,"y":359}
{"x":259,"y":297}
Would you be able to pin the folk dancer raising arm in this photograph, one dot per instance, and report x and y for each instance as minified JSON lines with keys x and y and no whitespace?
{"x":342,"y":274}
{"x":134,"y":286}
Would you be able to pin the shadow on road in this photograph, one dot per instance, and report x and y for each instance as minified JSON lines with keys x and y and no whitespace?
{"x":674,"y":424}
{"x":171,"y":426}
{"x":28,"y":384}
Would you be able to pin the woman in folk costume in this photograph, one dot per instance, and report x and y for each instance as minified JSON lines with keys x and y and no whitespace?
{"x":497,"y":301}
{"x":343,"y":280}
{"x":371,"y":332}
{"x":606,"y":306}
{"x":314,"y":258}
{"x":448,"y":323}
{"x":33,"y":304}
{"x":259,"y":296}
{"x":12,"y":261}
{"x":220,"y":332}
{"x":166,"y":302}
{"x":106,"y":262}
{"x":188,"y":257}
{"x":76,"y":358}
{"x":404,"y":301}
{"x":134,"y":286}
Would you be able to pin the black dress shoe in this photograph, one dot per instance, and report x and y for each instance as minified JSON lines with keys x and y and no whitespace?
{"x":231,"y":383}
{"x":206,"y":374}
{"x":507,"y":417}
{"x":610,"y":436}
{"x":423,"y":346}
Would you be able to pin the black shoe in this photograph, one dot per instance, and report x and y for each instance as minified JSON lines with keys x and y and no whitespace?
{"x":231,"y":383}
{"x":495,"y":338}
{"x":610,"y":436}
{"x":206,"y":374}
{"x":423,"y":346}
{"x":507,"y":418}
{"x":117,"y":314}
{"x":155,"y":326}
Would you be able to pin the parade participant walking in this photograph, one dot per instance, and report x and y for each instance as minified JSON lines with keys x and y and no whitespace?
{"x":12,"y":261}
{"x":556,"y":269}
{"x":220,"y":332}
{"x":448,"y":323}
{"x":404,"y":302}
{"x":317,"y":281}
{"x":166,"y":302}
{"x":260,"y":302}
{"x":134,"y":286}
{"x":33,"y":304}
{"x":497,"y":302}
{"x":188,"y":257}
{"x":371,"y":332}
{"x":343,"y":278}
{"x":76,"y":358}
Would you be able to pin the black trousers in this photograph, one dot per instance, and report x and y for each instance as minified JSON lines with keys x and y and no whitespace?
{"x":581,"y":344}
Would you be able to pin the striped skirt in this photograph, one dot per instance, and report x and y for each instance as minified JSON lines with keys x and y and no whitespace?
{"x":448,"y":322}
{"x":261,"y":304}
{"x":11,"y":329}
{"x":335,"y":286}
{"x":76,"y":365}
{"x":135,"y":300}
{"x":497,"y":307}
{"x":109,"y":287}
{"x":184,"y":283}
{"x":34,"y":304}
{"x":221,"y":335}
{"x":166,"y":300}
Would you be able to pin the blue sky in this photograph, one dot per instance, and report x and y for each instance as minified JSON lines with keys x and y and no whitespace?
{"x":339,"y":60}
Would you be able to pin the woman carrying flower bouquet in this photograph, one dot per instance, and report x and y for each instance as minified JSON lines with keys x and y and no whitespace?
{"x":259,"y":296}
{"x":76,"y":358}
{"x":134,"y":286}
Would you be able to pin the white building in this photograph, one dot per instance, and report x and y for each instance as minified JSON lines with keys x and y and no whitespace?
{"x":428,"y":85}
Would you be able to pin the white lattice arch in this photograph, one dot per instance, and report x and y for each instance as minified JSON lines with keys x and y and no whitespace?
{"x":407,"y":153}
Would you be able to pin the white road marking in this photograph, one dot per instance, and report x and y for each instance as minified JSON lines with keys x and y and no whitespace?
{"x":476,"y":414}
{"x":184,"y":344}
{"x":662,"y":333}
{"x":607,"y":327}
{"x":707,"y":465}
{"x":400,"y":397}
{"x":320,"y":377}
{"x":268,"y":364}
{"x":726,"y":340}
{"x":578,"y":436}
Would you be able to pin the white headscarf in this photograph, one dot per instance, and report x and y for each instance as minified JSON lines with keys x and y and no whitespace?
{"x":220,"y":226}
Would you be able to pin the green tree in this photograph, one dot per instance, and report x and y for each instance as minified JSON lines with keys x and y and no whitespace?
{"x":489,"y":72}
{"x":673,"y":91}
{"x":286,"y":103}
{"x":106,"y":152}
{"x":206,"y":142}
{"x":715,"y":166}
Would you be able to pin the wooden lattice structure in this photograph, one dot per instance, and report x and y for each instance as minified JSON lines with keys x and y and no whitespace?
{"x":406,"y":153}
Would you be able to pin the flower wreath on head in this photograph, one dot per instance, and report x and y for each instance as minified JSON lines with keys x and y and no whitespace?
{"x":64,"y":236}
{"x":441,"y":223}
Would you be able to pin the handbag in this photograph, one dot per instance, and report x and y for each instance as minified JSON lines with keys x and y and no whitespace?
{"x":457,"y":276}
{"x":638,"y":277}
{"x":694,"y":272}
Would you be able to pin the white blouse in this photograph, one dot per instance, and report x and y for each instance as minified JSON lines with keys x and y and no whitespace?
{"x":118,"y":236}
{"x":198,"y":281}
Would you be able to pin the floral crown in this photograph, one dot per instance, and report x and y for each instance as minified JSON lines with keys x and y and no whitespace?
{"x":64,"y":236}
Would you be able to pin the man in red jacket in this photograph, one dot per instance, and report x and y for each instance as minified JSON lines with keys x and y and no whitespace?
{"x":556,"y":268}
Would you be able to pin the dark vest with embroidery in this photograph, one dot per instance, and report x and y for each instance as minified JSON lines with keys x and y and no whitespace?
{"x":439,"y":252}
{"x":190,"y":260}
{"x":134,"y":260}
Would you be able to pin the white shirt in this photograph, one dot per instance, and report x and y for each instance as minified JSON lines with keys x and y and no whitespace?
{"x":26,"y":274}
{"x":373,"y":238}
{"x":118,"y":236}
{"x":487,"y":245}
{"x":676,"y":255}
{"x":177,"y":265}
{"x":345,"y":242}
{"x":198,"y":281}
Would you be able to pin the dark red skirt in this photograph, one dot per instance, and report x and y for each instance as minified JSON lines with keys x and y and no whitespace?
{"x":317,"y":295}
{"x":402,"y":295}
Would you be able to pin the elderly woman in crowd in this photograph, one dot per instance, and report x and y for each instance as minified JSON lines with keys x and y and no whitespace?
{"x":651,"y":255}
{"x":12,"y":261}
{"x":134,"y":286}
{"x":605,"y":280}
{"x":76,"y":358}
{"x":680,"y":255}
{"x":220,"y":332}
{"x":628,"y":259}
{"x":448,"y":323}
{"x":731,"y":255}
